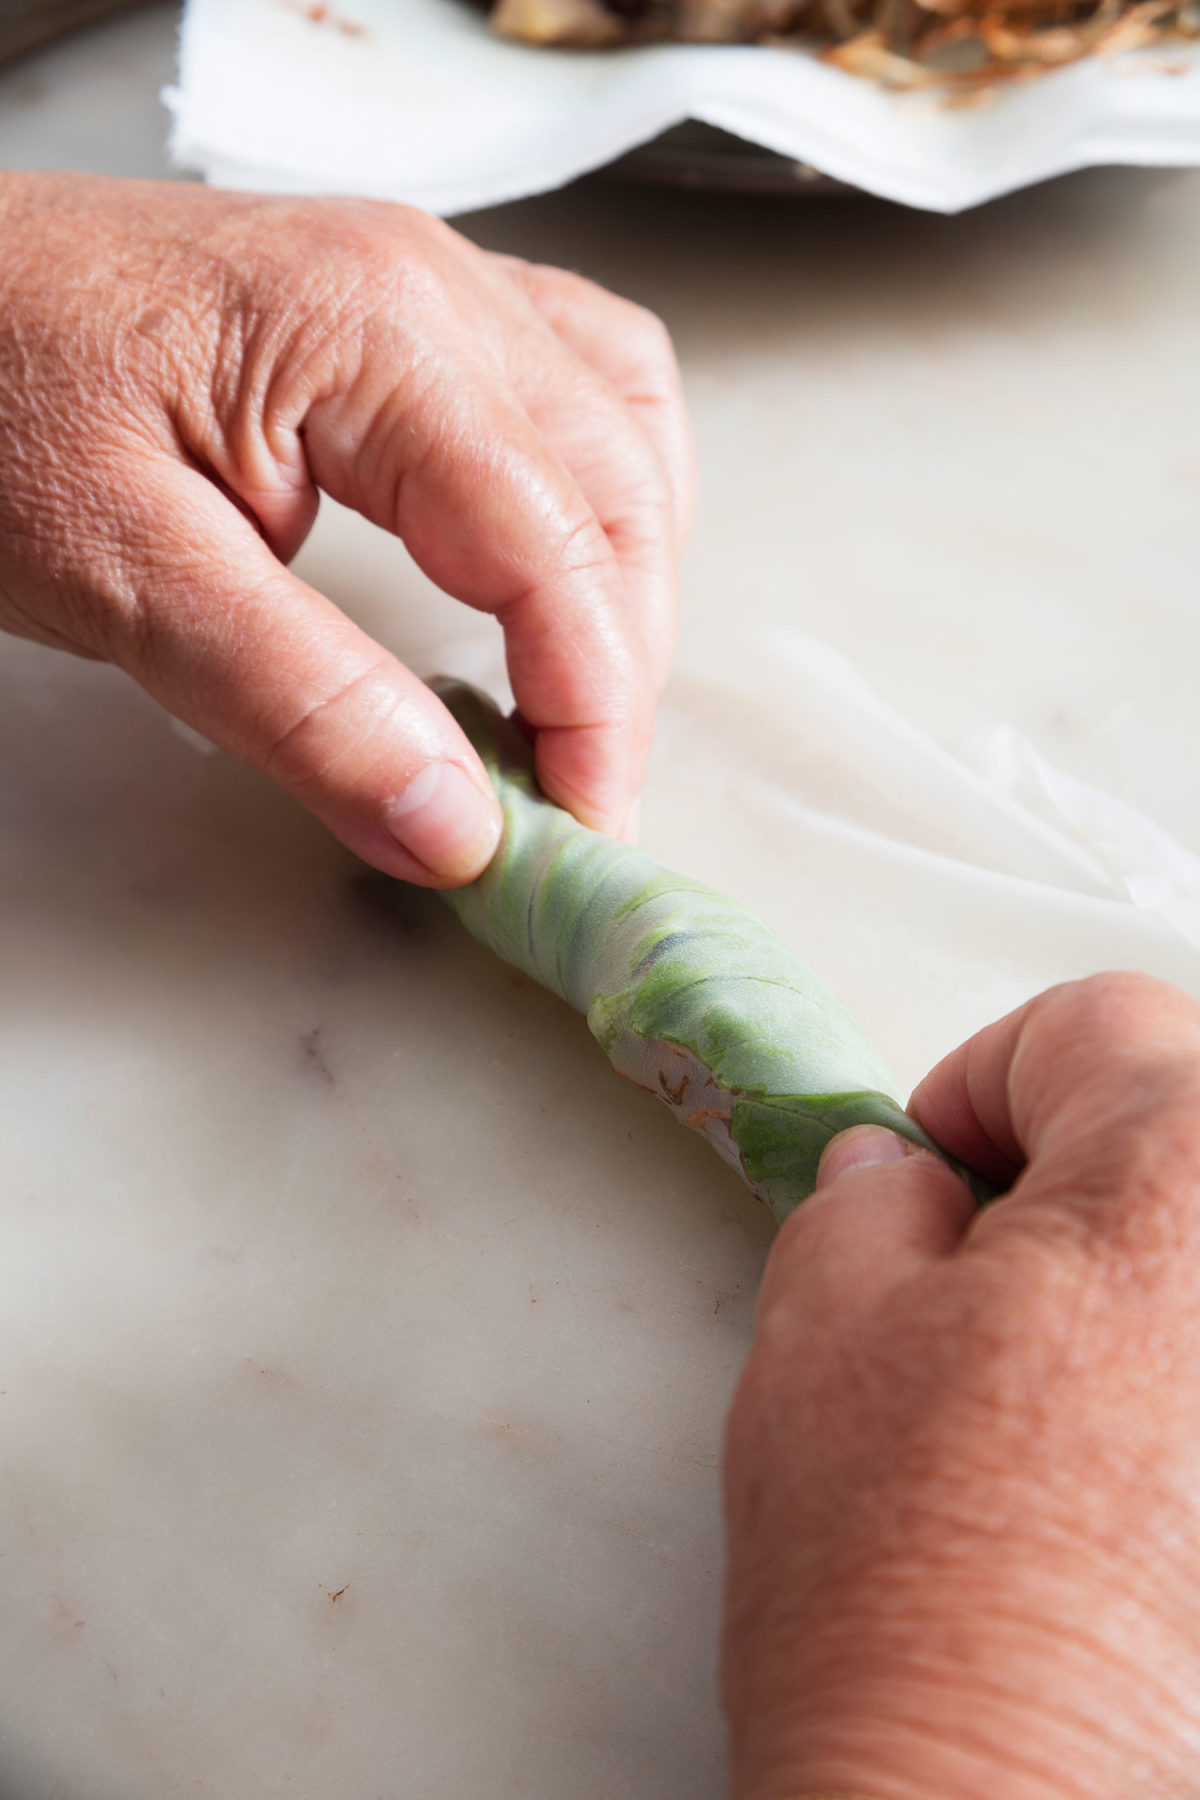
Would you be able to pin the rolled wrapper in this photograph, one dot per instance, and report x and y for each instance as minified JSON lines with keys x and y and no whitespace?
{"x":688,"y":994}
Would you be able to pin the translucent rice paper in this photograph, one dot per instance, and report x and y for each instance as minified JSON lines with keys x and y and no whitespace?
{"x":417,"y":100}
{"x":931,"y":891}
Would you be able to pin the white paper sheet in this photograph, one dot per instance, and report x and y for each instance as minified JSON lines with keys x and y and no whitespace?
{"x":417,"y":100}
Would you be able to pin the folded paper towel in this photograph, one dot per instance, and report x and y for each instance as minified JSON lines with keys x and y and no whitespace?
{"x":417,"y":100}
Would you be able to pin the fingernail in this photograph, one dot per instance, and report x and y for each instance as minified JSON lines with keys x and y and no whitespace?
{"x":444,"y":820}
{"x":862,"y":1147}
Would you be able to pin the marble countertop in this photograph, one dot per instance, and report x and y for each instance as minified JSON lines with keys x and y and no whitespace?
{"x":364,"y":1346}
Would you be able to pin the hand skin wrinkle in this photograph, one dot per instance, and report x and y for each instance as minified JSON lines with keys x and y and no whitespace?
{"x":182,"y":369}
{"x":962,"y":1471}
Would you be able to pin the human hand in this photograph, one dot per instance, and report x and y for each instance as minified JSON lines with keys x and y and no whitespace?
{"x":963,"y":1463}
{"x":181,"y":370}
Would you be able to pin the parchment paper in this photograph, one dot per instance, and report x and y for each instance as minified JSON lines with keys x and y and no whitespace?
{"x":417,"y":100}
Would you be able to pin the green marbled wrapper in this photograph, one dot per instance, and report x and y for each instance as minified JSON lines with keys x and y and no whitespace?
{"x":688,"y":994}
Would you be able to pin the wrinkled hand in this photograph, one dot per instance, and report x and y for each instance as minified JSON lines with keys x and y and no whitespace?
{"x":963,"y":1465}
{"x":182,"y":370}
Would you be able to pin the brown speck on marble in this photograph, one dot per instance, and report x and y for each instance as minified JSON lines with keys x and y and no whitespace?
{"x":267,"y":1372}
{"x":508,"y":1428}
{"x":313,"y":1055}
{"x":334,"y":1598}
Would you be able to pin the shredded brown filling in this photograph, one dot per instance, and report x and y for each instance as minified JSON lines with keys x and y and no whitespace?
{"x":965,"y":45}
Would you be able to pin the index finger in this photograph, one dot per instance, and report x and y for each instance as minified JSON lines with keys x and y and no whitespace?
{"x":495,"y":518}
{"x":632,"y":349}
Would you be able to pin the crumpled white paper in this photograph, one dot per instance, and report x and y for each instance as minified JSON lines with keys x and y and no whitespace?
{"x":1123,"y":848}
{"x":417,"y":100}
{"x":932,"y":888}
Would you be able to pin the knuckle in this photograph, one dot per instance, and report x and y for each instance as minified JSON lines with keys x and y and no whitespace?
{"x":644,"y":340}
{"x":558,"y":293}
{"x":646,"y":479}
{"x":380,"y":253}
{"x":649,"y":336}
{"x":631,"y":485}
{"x":1121,"y":1048}
{"x":638,"y":510}
{"x":584,"y":546}
{"x":650,"y":353}
{"x":311,"y":753}
{"x":389,"y":272}
{"x":1125,"y":1008}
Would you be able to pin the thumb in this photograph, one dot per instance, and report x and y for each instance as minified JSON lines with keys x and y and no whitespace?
{"x":234,"y":644}
{"x":884,"y":1208}
{"x":898,"y":1200}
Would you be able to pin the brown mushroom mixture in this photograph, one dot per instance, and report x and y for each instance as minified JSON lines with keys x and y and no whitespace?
{"x":600,"y":22}
{"x":964,"y":44}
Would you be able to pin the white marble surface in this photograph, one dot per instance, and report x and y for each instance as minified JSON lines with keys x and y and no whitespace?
{"x":363,"y":1344}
